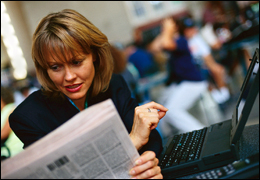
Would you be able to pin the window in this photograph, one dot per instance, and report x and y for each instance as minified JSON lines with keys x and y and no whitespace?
{"x":156,"y":4}
{"x":138,"y":8}
{"x":12,"y":45}
{"x":144,"y":12}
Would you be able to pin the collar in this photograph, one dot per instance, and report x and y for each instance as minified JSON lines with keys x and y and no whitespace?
{"x":86,"y":102}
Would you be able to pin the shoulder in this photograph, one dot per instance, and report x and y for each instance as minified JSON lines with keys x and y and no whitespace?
{"x":118,"y":88}
{"x":181,"y":39}
{"x":38,"y":104}
{"x":182,"y":44}
{"x":26,"y":120}
{"x":33,"y":101}
{"x":200,"y":39}
{"x":117,"y":80}
{"x":120,"y":94}
{"x":28,"y":108}
{"x":38,"y":115}
{"x":38,"y":108}
{"x":205,"y":48}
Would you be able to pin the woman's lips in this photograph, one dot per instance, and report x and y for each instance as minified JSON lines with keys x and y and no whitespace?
{"x":73,"y":88}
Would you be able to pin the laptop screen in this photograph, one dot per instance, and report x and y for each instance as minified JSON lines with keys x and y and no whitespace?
{"x":244,"y":95}
{"x":249,"y":91}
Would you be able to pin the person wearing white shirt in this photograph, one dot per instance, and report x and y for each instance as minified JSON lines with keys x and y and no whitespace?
{"x":201,"y":53}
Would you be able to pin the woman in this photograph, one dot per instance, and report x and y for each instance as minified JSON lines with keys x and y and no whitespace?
{"x":74,"y":65}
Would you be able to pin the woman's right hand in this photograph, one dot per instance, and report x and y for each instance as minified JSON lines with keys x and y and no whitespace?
{"x":146,"y":119}
{"x":146,"y":167}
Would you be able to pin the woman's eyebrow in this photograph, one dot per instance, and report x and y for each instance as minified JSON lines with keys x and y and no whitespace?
{"x":78,"y":56}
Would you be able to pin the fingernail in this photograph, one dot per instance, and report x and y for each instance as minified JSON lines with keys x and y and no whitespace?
{"x":132,"y":172}
{"x":137,"y":161}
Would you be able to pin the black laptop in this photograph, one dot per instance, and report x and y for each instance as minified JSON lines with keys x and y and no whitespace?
{"x":216,"y":145}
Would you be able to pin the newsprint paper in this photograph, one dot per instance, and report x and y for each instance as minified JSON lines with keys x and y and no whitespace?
{"x":93,"y":144}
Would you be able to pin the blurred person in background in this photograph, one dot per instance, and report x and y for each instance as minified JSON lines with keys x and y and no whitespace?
{"x":201,"y":53}
{"x":243,"y":23}
{"x":10,"y":143}
{"x":228,"y":24}
{"x":137,"y":53}
{"x":140,"y":57}
{"x":214,"y":15}
{"x":23,"y":89}
{"x":185,"y":83}
{"x":74,"y":65}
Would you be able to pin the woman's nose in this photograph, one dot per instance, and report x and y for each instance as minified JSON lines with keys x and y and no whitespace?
{"x":69,"y":74}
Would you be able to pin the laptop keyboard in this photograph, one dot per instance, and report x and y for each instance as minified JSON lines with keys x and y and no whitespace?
{"x":184,"y":148}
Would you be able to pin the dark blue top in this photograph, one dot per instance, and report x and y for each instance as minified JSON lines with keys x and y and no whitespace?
{"x":181,"y":65}
{"x":143,"y":61}
{"x":38,"y":115}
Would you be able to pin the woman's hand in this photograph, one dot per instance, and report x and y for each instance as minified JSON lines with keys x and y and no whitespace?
{"x":146,"y":167}
{"x":146,"y":119}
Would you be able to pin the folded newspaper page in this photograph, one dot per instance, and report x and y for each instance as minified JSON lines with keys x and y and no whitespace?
{"x":93,"y":144}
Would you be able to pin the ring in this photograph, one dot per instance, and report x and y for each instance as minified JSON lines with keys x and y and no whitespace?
{"x":149,"y":110}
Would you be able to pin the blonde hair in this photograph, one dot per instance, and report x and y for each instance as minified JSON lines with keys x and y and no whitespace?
{"x":70,"y":32}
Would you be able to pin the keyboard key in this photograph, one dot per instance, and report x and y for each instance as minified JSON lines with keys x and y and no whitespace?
{"x":175,"y":162}
{"x":189,"y":159}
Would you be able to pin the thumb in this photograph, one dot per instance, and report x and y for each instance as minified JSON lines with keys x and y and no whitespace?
{"x":161,"y":114}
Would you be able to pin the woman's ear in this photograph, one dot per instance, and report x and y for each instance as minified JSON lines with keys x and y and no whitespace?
{"x":94,"y":57}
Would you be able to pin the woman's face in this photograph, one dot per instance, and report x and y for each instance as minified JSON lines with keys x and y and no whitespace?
{"x":72,"y":78}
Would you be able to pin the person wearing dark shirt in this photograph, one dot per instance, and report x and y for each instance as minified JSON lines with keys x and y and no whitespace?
{"x":74,"y":65}
{"x":185,"y":82}
{"x":143,"y":61}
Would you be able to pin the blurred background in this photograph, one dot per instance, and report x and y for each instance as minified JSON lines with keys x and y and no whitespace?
{"x":131,"y":26}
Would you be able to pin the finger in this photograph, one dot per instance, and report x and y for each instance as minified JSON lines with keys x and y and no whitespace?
{"x":149,"y":173}
{"x":151,"y":119}
{"x":154,"y":112}
{"x":139,"y":169}
{"x":154,"y":126}
{"x":155,"y":106}
{"x":146,"y":156}
{"x":147,"y":165}
{"x":157,"y":176}
{"x":153,"y":122}
{"x":148,"y":111}
{"x":161,"y":114}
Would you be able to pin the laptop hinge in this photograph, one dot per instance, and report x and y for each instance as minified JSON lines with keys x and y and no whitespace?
{"x":234,"y":150}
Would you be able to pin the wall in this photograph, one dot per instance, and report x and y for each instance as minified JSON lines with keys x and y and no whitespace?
{"x":109,"y":16}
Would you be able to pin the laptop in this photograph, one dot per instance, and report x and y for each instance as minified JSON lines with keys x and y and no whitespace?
{"x":216,"y":145}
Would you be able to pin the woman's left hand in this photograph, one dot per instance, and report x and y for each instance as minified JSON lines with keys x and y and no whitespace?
{"x":146,"y":167}
{"x":146,"y":119}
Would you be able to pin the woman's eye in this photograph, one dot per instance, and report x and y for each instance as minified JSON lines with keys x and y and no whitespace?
{"x":76,"y":62}
{"x":54,"y":67}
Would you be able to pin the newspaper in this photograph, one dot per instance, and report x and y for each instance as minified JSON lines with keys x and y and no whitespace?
{"x":93,"y":144}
